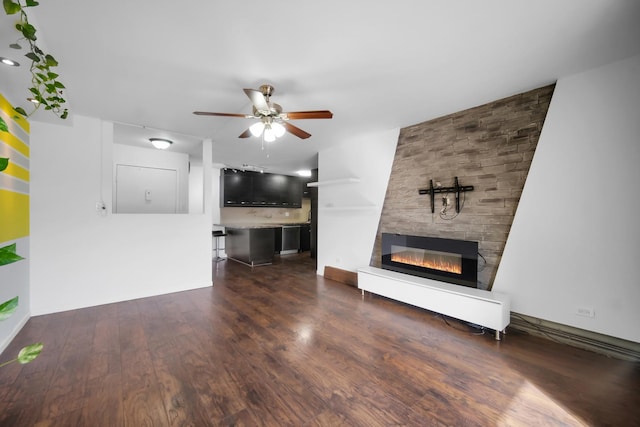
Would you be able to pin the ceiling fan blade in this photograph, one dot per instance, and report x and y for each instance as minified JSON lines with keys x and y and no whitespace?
{"x":298,"y":115}
{"x":245,"y":134}
{"x":206,"y":113}
{"x":296,"y":130}
{"x":258,"y":99}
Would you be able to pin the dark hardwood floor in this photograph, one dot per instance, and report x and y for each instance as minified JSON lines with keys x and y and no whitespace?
{"x":279,"y":346}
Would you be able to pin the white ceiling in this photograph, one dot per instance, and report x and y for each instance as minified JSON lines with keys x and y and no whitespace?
{"x":376,"y":65}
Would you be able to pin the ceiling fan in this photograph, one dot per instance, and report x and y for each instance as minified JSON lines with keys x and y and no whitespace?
{"x":273,"y":122}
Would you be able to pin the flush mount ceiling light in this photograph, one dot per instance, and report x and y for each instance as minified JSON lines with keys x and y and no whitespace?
{"x":9,"y":62}
{"x":304,"y":172}
{"x":161,"y":143}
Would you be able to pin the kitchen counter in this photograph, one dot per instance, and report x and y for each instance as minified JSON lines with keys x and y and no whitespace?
{"x":261,"y":225}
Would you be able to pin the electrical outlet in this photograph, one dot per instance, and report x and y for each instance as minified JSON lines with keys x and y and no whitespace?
{"x":585,"y":311}
{"x":101,"y":208}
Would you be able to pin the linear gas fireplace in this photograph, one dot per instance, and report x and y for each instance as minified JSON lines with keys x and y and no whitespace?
{"x":447,"y":260}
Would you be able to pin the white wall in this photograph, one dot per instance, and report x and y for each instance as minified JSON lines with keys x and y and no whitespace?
{"x":348,"y":214}
{"x":196,"y":188}
{"x":81,"y":258}
{"x":575,"y":239}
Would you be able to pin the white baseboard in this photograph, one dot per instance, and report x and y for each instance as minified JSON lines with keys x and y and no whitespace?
{"x":5,"y":343}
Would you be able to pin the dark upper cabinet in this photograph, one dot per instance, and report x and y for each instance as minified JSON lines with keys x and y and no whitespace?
{"x":236,"y":189}
{"x":261,"y":195}
{"x":278,"y":189}
{"x":294,"y":191}
{"x":253,"y":189}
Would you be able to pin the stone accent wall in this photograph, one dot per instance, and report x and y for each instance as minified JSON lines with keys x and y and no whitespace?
{"x":489,"y":147}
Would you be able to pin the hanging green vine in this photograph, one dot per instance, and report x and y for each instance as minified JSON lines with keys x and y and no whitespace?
{"x":26,"y":354}
{"x":46,"y":88}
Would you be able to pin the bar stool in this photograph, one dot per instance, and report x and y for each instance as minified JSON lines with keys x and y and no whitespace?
{"x":216,"y":235}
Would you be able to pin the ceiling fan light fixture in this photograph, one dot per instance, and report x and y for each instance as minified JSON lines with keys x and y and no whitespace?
{"x":256,"y":129}
{"x":269,"y":134}
{"x":278,"y":129}
{"x":161,"y":143}
{"x":273,"y":122}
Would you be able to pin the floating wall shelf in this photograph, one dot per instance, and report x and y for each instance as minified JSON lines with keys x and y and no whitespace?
{"x":333,"y":182}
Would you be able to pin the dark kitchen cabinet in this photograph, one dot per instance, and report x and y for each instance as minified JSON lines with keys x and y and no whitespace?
{"x":278,"y":189}
{"x":305,"y":237}
{"x":236,"y":189}
{"x":264,"y":189}
{"x":294,"y":192}
{"x":254,"y":189}
{"x":277,"y":242}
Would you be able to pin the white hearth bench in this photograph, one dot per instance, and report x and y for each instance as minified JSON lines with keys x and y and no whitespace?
{"x":477,"y":306}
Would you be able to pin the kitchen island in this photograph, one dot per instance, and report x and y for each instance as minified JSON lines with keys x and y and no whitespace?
{"x":257,"y":244}
{"x":250,"y":245}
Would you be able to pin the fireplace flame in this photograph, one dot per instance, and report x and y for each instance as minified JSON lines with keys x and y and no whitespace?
{"x":423,"y":260}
